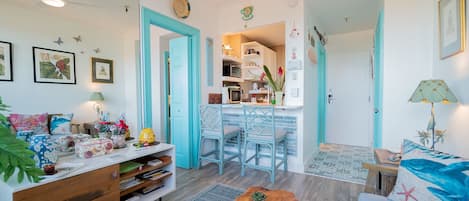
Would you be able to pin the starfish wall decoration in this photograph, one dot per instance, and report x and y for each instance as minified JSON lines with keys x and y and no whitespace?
{"x":77,"y":38}
{"x":59,"y":41}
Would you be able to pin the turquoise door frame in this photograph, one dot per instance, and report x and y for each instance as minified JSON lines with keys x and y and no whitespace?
{"x":322,"y":96}
{"x":148,"y":18}
{"x":166,"y":97}
{"x":378,"y":84}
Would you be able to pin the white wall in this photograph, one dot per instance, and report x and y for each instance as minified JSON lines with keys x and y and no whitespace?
{"x":25,"y":28}
{"x":408,"y":45}
{"x":349,"y":117}
{"x":455,"y":71}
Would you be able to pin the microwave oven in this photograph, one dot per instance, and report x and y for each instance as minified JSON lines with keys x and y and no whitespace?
{"x":231,"y":95}
{"x":232,"y":70}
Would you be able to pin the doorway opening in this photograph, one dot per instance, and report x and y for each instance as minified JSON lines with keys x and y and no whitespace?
{"x":175,"y":99}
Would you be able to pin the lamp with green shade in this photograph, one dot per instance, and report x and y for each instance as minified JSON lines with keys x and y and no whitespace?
{"x":433,"y":91}
{"x":97,"y":98}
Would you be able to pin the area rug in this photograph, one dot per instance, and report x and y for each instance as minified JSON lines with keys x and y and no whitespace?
{"x":341,"y":162}
{"x":218,"y":192}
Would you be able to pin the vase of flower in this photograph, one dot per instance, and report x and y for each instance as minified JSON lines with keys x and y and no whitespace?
{"x":279,"y":97}
{"x":277,"y":85}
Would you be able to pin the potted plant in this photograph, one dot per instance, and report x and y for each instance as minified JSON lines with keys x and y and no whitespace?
{"x":14,"y":154}
{"x":277,"y":84}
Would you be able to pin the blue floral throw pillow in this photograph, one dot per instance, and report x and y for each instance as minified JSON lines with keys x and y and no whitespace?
{"x":61,"y":124}
{"x":430,"y":175}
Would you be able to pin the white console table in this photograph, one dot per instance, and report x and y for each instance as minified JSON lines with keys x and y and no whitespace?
{"x":97,"y":179}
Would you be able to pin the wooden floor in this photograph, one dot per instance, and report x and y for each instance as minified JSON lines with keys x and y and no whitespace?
{"x":305,"y":187}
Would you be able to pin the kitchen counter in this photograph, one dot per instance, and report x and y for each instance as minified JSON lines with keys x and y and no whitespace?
{"x":282,"y":107}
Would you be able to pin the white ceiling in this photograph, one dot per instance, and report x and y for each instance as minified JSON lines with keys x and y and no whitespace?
{"x":102,"y":13}
{"x":363,"y":14}
{"x":269,"y":35}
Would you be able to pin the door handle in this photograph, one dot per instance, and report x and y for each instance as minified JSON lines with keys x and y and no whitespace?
{"x":376,"y":110}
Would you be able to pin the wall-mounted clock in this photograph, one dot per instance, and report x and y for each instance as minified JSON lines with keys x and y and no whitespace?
{"x":182,"y":8}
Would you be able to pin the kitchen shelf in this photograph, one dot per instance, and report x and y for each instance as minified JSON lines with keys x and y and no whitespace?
{"x":232,"y":59}
{"x":258,"y":92}
{"x":251,"y":56}
{"x":232,"y":79}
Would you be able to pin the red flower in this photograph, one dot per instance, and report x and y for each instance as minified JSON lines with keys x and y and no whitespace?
{"x":280,"y":71}
{"x":262,"y":76}
{"x":61,"y":65}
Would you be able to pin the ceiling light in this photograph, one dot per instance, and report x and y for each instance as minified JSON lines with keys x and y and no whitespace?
{"x":54,"y":3}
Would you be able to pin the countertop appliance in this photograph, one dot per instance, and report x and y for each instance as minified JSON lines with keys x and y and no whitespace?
{"x":232,"y":70}
{"x":231,"y":95}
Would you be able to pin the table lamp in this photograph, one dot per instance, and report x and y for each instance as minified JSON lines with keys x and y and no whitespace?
{"x":433,"y":91}
{"x":97,"y":98}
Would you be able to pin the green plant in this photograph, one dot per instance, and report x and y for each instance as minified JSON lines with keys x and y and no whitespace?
{"x":14,"y":153}
{"x":277,"y":85}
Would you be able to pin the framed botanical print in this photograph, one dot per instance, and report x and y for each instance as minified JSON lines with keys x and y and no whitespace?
{"x":102,"y":70}
{"x":6,"y":61}
{"x":54,"y":66}
{"x":452,"y":27}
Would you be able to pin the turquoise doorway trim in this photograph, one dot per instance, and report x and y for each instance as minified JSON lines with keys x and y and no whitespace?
{"x":378,"y":84}
{"x":166,"y":97}
{"x":149,"y":17}
{"x":322,"y":96}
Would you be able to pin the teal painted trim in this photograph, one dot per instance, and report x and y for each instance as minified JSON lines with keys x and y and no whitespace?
{"x":139,"y":85}
{"x":166,"y":97}
{"x":322,"y":96}
{"x":145,"y":71}
{"x":378,"y":83}
{"x":209,"y":60}
{"x":149,"y":17}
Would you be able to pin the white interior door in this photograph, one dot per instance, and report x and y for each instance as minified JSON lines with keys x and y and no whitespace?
{"x":348,"y":116}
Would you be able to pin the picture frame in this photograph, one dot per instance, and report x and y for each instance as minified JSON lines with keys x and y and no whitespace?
{"x":54,"y":66}
{"x":102,"y":70}
{"x":6,"y":61}
{"x":451,"y":27}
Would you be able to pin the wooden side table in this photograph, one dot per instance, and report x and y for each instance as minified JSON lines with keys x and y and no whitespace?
{"x":272,"y":195}
{"x":382,"y":175}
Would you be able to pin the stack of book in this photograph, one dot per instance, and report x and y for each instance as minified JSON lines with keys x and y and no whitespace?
{"x":153,"y":175}
{"x":129,"y":183}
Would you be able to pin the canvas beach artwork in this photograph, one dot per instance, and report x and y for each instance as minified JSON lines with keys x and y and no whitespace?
{"x":53,"y":66}
{"x":6,"y":64}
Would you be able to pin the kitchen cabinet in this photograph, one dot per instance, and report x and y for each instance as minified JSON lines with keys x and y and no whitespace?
{"x":254,"y":57}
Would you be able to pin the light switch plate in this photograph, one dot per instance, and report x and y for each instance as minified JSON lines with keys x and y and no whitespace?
{"x":295,"y":65}
{"x":295,"y":92}
{"x":294,"y":76}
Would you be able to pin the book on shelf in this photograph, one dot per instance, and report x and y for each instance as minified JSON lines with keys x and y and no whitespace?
{"x":151,"y":188}
{"x":151,"y":174}
{"x":154,"y":162}
{"x":130,"y":183}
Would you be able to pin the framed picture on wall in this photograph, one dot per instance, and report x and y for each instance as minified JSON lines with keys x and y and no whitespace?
{"x":54,"y":66}
{"x":102,"y":70}
{"x":452,"y":27}
{"x":6,"y":61}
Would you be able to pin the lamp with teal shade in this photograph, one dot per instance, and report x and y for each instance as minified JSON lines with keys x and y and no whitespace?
{"x":97,"y":98}
{"x":433,"y":91}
